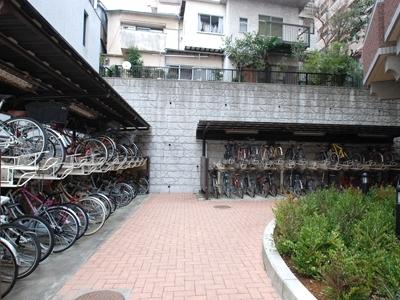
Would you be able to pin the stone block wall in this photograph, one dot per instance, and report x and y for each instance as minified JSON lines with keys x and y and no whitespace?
{"x":173,"y":109}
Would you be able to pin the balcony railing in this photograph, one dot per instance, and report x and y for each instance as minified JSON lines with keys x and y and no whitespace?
{"x":232,"y":75}
{"x":289,"y":33}
{"x":143,"y":40}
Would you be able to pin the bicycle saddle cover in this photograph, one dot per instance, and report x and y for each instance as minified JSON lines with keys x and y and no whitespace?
{"x":4,"y":200}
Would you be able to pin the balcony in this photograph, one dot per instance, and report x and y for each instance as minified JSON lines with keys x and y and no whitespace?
{"x":289,"y":33}
{"x":143,"y":40}
{"x":381,"y":52}
{"x":232,"y":75}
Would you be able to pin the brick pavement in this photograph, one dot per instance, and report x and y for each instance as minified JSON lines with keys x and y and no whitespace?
{"x":176,"y":247}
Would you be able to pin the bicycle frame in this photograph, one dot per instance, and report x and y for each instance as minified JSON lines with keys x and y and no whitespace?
{"x":339,"y":151}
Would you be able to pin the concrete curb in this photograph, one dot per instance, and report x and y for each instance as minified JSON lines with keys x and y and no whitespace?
{"x":284,"y":281}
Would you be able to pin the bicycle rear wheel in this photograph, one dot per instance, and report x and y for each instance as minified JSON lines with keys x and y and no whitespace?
{"x":65,"y":226}
{"x":42,"y":230}
{"x":96,"y":212}
{"x":9,"y":267}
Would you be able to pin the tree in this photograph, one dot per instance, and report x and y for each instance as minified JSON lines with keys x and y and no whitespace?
{"x":134,"y":57}
{"x":251,"y":51}
{"x":346,"y":25}
{"x":333,"y":60}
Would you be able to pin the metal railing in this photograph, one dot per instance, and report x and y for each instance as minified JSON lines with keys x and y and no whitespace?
{"x":289,"y":33}
{"x":232,"y":75}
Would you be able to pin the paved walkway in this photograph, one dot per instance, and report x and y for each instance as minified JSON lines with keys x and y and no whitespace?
{"x":177,"y":247}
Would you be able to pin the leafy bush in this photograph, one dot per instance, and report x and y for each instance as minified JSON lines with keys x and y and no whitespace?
{"x":345,"y":239}
{"x":134,"y":57}
{"x":251,"y":51}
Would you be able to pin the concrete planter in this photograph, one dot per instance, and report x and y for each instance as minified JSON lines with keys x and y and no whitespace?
{"x":284,"y":281}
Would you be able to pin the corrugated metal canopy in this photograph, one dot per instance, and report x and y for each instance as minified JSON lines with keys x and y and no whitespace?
{"x":37,"y":63}
{"x":271,"y":131}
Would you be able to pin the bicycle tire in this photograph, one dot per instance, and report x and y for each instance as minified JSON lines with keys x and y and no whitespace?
{"x":143,"y":184}
{"x":65,"y":226}
{"x":9,"y":267}
{"x":96,"y":212}
{"x":26,"y":245}
{"x":297,"y":191}
{"x":274,"y":190}
{"x":123,"y":194}
{"x":265,"y":189}
{"x":39,"y":139}
{"x":106,"y":201}
{"x":42,"y":230}
{"x":334,"y":159}
{"x":93,"y":148}
{"x":82,"y":216}
{"x":377,"y":157}
{"x":58,"y":150}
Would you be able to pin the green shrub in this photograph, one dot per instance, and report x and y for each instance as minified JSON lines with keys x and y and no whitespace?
{"x":345,"y":239}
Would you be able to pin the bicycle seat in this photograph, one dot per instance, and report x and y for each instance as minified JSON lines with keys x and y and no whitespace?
{"x":4,"y":200}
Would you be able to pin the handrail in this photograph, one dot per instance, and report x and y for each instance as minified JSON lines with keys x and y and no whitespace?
{"x":232,"y":75}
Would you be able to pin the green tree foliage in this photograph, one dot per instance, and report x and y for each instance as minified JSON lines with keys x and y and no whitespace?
{"x":345,"y":239}
{"x":251,"y":51}
{"x":346,"y":25}
{"x":134,"y":57}
{"x":332,"y":60}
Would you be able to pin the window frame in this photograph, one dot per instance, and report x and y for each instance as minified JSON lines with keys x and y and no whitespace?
{"x":199,"y":27}
{"x":270,"y":20}
{"x":84,"y":35}
{"x":242,"y":22}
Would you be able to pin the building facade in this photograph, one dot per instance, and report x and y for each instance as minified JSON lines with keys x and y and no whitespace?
{"x":381,"y":54}
{"x":191,"y":33}
{"x":78,"y":22}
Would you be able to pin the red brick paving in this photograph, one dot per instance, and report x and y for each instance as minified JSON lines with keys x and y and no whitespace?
{"x":177,"y":247}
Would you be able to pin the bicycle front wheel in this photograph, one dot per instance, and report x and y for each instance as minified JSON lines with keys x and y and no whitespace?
{"x":30,"y":139}
{"x":26,"y":245}
{"x":96,"y":212}
{"x":42,"y":230}
{"x":82,"y":216}
{"x":65,"y":226}
{"x":9,"y":267}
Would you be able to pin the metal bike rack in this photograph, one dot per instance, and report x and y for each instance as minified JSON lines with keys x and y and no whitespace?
{"x":14,"y":173}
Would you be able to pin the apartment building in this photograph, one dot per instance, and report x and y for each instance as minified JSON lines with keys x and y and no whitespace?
{"x":323,"y":11}
{"x":191,"y":33}
{"x":81,"y":23}
{"x":381,"y":54}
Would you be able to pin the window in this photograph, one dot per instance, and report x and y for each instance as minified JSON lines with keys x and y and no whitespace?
{"x":309,"y":22}
{"x":211,"y":24}
{"x":242,"y":25}
{"x":142,"y":27}
{"x":270,"y":26}
{"x":85,"y":17}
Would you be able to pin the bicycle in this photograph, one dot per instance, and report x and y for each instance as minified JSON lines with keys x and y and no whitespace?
{"x":61,"y":219}
{"x":22,"y":136}
{"x":248,"y":184}
{"x":268,"y":186}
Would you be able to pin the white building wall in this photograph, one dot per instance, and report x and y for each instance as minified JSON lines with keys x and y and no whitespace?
{"x":173,"y":109}
{"x":66,"y":16}
{"x":191,"y":34}
{"x":151,"y":44}
{"x":236,"y":9}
